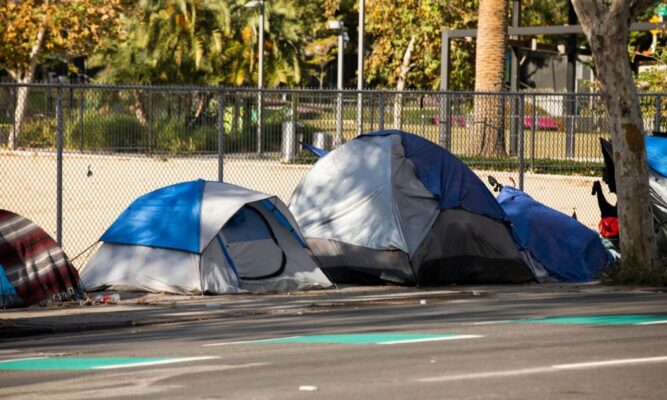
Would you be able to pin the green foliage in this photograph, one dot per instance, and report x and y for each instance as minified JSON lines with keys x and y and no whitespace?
{"x":38,"y":133}
{"x":112,"y":132}
{"x":173,"y":137}
{"x":35,"y":30}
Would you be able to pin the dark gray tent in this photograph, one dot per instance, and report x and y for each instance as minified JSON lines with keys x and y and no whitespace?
{"x":394,"y":207}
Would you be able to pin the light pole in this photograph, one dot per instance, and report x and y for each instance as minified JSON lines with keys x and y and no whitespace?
{"x":360,"y":68}
{"x":259,"y":4}
{"x":340,"y":31}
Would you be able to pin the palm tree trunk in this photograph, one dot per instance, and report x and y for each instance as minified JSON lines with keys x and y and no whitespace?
{"x":488,"y":126}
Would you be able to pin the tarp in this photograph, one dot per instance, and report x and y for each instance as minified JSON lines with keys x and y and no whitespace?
{"x":656,"y":153}
{"x":447,"y":177}
{"x":569,"y":251}
{"x":35,"y":266}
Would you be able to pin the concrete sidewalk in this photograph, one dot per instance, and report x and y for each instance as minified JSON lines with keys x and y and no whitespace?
{"x":140,"y":309}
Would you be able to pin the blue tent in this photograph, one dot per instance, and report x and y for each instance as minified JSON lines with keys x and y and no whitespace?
{"x":569,"y":251}
{"x":203,"y":236}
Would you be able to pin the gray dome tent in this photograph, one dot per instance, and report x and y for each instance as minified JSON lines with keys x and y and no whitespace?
{"x":394,"y":207}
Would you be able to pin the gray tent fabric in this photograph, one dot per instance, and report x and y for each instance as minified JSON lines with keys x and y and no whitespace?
{"x":369,"y":180}
{"x":460,"y":238}
{"x":369,"y":219}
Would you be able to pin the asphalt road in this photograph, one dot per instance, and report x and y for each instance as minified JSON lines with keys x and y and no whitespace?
{"x":503,"y":351}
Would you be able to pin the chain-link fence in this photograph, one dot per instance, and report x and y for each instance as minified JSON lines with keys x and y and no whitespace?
{"x":72,"y":157}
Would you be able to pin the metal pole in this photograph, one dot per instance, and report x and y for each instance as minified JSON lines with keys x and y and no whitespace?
{"x":514,"y":79}
{"x":444,"y":123}
{"x":59,"y":166}
{"x":381,"y":112}
{"x":150,"y":120}
{"x":260,"y":79}
{"x":532,"y":134}
{"x":221,"y":135}
{"x":360,"y":68}
{"x":521,"y":144}
{"x":569,"y":129}
{"x":339,"y":94}
{"x":81,"y":121}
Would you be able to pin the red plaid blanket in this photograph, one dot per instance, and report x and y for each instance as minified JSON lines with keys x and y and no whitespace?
{"x":34,"y":264}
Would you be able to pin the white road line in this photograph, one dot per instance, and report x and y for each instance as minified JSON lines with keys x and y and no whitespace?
{"x":248,"y":341}
{"x":22,"y":359}
{"x":541,"y":370}
{"x":502,"y":321}
{"x":161,"y":362}
{"x":435,"y":339}
{"x":652,"y":322}
{"x":611,"y":363}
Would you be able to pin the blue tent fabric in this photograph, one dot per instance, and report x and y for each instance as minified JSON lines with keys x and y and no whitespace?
{"x":656,"y":152}
{"x":6,"y":288}
{"x":447,"y":177}
{"x":283,"y":221}
{"x":569,"y":251}
{"x":144,"y":222}
{"x":315,"y":150}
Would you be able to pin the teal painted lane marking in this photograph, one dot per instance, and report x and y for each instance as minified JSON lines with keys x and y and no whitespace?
{"x":599,"y":320}
{"x":41,"y":364}
{"x":366,"y":338}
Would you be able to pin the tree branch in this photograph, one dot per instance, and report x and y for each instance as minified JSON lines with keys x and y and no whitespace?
{"x":589,"y":13}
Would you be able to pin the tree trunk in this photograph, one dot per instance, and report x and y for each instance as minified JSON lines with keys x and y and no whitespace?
{"x":25,"y":76}
{"x":607,"y":31}
{"x":139,"y":108}
{"x":19,"y":115}
{"x":488,"y":126}
{"x":400,"y":84}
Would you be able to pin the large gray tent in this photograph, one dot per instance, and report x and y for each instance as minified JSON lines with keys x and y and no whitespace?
{"x":393,"y":207}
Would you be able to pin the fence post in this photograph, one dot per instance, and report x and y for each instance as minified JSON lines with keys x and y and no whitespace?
{"x":81,"y":105}
{"x":532,"y":135}
{"x":338,"y":141}
{"x":658,"y":111}
{"x":569,"y":125}
{"x":260,"y":106}
{"x":514,"y":125}
{"x":221,"y":134}
{"x":150,"y":120}
{"x":520,"y":143}
{"x":360,"y":113}
{"x":381,"y":112}
{"x":444,"y":122}
{"x":59,"y":165}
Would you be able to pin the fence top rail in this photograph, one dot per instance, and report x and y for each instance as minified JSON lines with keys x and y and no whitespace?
{"x":312,"y":91}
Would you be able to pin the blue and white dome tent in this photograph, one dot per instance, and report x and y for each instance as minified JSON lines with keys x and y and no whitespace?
{"x":203,"y":237}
